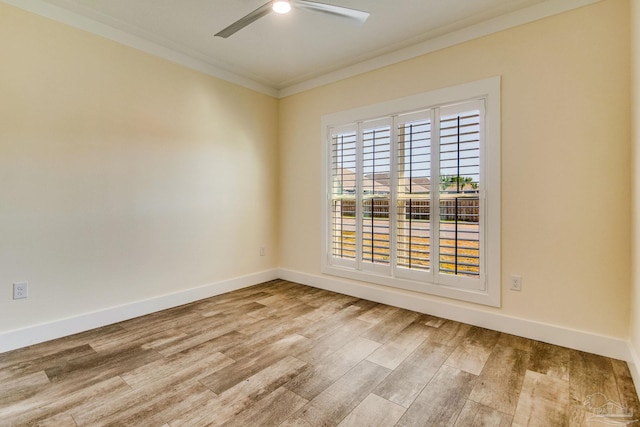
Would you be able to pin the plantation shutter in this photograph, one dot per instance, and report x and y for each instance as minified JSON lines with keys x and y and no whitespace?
{"x":460,"y":195}
{"x":375,"y":195}
{"x":343,"y":195}
{"x":413,"y":195}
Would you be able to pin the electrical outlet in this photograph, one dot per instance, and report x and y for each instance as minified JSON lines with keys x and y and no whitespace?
{"x":516,"y":283}
{"x":262,"y":251}
{"x":20,"y":290}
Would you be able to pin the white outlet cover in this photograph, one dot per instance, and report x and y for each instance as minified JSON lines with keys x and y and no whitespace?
{"x":20,"y":290}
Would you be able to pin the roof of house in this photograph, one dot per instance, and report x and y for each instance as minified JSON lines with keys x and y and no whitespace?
{"x":378,"y":183}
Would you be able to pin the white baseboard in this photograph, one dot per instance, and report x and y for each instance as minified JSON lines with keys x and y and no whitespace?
{"x":633,"y":362}
{"x":552,"y":334}
{"x":24,"y":337}
{"x":566,"y":337}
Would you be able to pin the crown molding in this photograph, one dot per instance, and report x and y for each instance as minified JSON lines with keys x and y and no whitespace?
{"x":92,"y":26}
{"x":485,"y":28}
{"x":438,"y":42}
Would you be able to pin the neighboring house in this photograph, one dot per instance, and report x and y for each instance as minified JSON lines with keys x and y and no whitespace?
{"x":456,"y":202}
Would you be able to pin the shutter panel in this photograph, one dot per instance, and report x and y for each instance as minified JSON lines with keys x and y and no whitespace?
{"x":343,"y":195}
{"x":375,"y":193}
{"x":459,"y":191}
{"x":413,"y":200}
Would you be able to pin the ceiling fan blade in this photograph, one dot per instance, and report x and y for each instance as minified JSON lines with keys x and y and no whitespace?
{"x":243,"y":22}
{"x":346,"y":12}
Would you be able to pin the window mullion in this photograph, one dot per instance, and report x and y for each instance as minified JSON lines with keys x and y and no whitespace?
{"x":359,"y":198}
{"x":435,"y":193}
{"x":393,"y":196}
{"x":483,"y":196}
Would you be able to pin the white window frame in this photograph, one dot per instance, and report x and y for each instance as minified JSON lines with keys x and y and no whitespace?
{"x":488,"y":293}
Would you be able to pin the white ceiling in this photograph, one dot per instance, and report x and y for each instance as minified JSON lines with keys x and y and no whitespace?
{"x":282,"y":54}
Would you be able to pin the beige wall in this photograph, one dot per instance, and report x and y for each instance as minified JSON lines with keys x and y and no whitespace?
{"x":120,"y":173}
{"x":635,"y":138}
{"x":123,"y":176}
{"x":565,"y":160}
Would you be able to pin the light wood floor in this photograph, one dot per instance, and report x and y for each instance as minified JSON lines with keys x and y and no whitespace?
{"x":283,"y":354}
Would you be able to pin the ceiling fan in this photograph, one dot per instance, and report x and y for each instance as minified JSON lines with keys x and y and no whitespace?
{"x":284,"y":6}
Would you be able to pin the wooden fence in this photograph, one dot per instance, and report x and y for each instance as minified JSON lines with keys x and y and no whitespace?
{"x":461,"y":208}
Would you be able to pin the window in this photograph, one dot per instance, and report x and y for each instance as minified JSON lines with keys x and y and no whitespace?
{"x":413,"y":193}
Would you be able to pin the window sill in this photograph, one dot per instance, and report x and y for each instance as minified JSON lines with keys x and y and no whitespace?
{"x":483,"y":297}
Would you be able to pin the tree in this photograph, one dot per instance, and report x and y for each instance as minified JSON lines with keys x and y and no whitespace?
{"x":445,"y":182}
{"x":459,"y":181}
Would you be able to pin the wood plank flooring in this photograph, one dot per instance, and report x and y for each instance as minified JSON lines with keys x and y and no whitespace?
{"x":283,"y":354}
